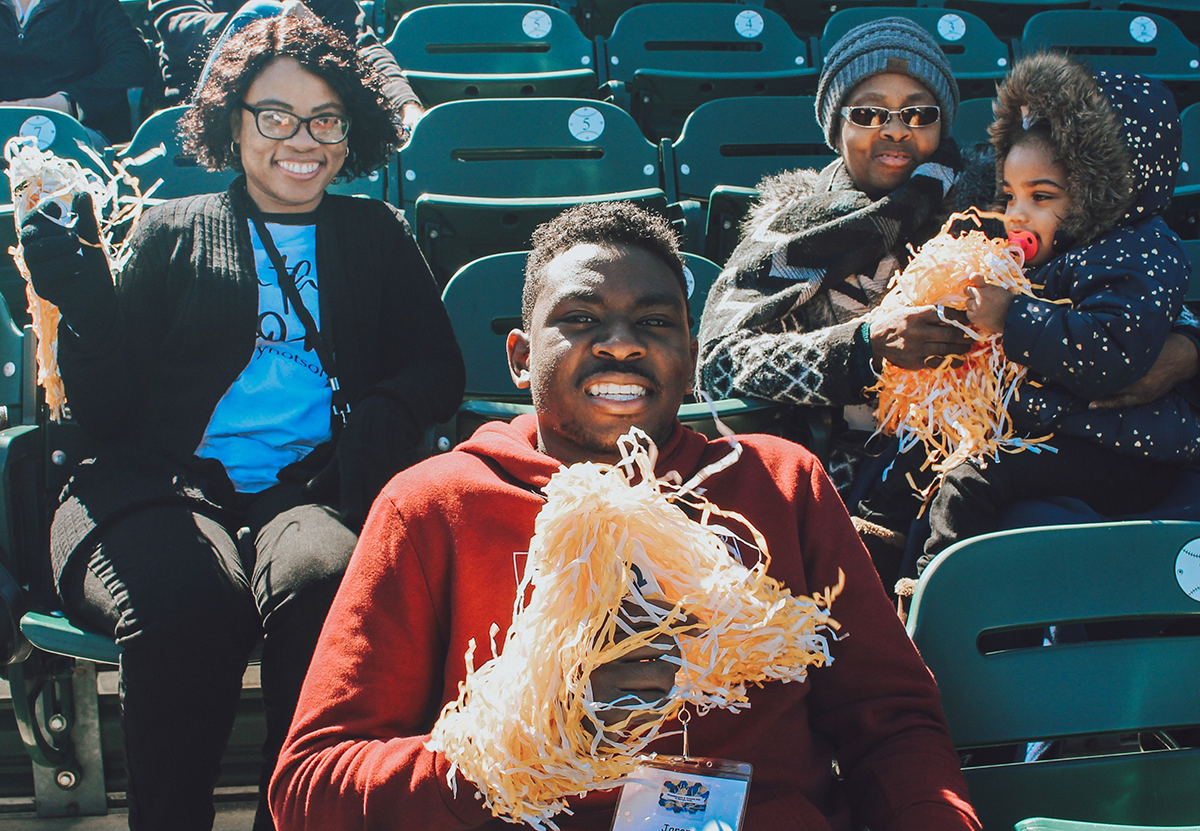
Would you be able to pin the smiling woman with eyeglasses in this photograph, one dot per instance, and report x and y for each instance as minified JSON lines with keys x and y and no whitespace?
{"x":268,"y":359}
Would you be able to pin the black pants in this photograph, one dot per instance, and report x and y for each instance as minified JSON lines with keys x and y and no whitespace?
{"x":970,"y":500}
{"x":188,"y":601}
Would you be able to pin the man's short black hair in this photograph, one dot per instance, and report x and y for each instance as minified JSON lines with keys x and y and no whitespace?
{"x":598,"y":223}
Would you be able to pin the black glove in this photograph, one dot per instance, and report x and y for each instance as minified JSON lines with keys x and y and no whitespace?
{"x":67,"y":266}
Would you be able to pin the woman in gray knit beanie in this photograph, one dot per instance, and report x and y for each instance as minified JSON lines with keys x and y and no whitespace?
{"x":790,"y":317}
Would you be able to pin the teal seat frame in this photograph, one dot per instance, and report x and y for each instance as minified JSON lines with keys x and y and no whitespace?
{"x":736,"y":142}
{"x":478,"y":176}
{"x":663,"y":60}
{"x":1034,"y":578}
{"x":1091,"y":35}
{"x":469,"y":50}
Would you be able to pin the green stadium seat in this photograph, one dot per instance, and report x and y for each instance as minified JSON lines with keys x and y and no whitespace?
{"x":493,"y":50}
{"x":727,"y":207}
{"x":484,"y":303}
{"x":478,"y":176}
{"x":1183,"y":13}
{"x":1006,"y":18}
{"x":180,"y":173}
{"x":970,"y":130}
{"x":1045,"y":824}
{"x":665,"y":59}
{"x":735,"y":142}
{"x":1118,"y":41}
{"x":1187,"y":183}
{"x":977,"y":594}
{"x":977,"y":57}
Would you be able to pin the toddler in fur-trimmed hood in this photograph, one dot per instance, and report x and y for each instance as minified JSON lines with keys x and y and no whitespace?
{"x":1086,"y":163}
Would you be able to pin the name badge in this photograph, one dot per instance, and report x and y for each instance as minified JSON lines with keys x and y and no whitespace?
{"x":674,"y":793}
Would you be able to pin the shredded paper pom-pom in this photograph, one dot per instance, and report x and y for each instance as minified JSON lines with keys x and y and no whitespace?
{"x":525,"y":728}
{"x":38,"y":178}
{"x":959,"y":408}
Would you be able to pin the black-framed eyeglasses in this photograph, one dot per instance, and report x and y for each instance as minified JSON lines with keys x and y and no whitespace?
{"x":873,"y":117}
{"x":281,"y":124}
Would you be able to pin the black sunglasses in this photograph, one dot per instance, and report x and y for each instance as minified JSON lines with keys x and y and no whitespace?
{"x":281,"y":124}
{"x":873,"y":117}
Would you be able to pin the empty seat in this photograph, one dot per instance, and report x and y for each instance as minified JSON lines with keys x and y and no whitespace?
{"x":478,"y":176}
{"x":970,"y":130}
{"x":977,"y":57}
{"x":180,"y":173}
{"x":493,"y":50}
{"x":1006,"y":18}
{"x":664,"y":60}
{"x":1119,"y":41}
{"x":732,"y":143}
{"x":979,"y":616}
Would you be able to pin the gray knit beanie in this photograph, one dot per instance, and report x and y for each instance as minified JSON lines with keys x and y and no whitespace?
{"x":890,"y":44}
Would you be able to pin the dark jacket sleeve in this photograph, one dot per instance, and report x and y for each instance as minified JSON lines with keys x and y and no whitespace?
{"x":100,"y":371}
{"x":877,"y":703}
{"x":184,"y":26}
{"x":1124,"y":293}
{"x":124,"y":58}
{"x":420,"y":381}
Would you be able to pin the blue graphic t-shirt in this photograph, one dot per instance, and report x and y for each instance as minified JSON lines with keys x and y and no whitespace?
{"x":278,"y":409}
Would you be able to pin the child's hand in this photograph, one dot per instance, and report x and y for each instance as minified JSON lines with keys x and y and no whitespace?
{"x":987,"y":307}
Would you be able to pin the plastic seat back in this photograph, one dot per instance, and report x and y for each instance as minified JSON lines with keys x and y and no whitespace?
{"x":493,"y":50}
{"x":1118,"y":41}
{"x":739,"y":141}
{"x":1007,"y":19}
{"x":55,"y":131}
{"x":1187,"y":181}
{"x":977,"y":57}
{"x":970,"y":128}
{"x":669,"y":58}
{"x":1138,"y":578}
{"x":478,"y":176}
{"x":180,"y":173}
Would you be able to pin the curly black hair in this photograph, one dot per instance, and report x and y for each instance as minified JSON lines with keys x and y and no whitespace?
{"x":207,"y":128}
{"x":599,"y":223}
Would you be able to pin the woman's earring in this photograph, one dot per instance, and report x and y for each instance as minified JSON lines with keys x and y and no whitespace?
{"x":234,"y":149}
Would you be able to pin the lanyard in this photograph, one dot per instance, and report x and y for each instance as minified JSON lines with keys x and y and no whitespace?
{"x":314,"y":339}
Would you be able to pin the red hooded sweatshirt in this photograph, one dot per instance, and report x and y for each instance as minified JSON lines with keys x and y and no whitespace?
{"x":436,"y":566}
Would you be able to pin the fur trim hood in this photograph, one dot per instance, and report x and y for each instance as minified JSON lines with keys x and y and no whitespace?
{"x":1117,"y":134}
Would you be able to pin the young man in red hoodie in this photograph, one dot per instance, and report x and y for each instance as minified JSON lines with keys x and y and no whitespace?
{"x":605,"y":346}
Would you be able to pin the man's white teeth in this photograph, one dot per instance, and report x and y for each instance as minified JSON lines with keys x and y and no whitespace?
{"x":616,"y":392}
{"x":299,"y":167}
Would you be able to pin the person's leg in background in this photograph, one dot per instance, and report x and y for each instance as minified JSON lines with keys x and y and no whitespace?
{"x":970,"y":499}
{"x":302,"y":550}
{"x":169,"y":585}
{"x":250,"y":11}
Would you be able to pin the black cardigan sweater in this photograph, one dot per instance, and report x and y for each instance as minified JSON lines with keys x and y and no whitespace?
{"x":88,"y":49}
{"x":153,"y":363}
